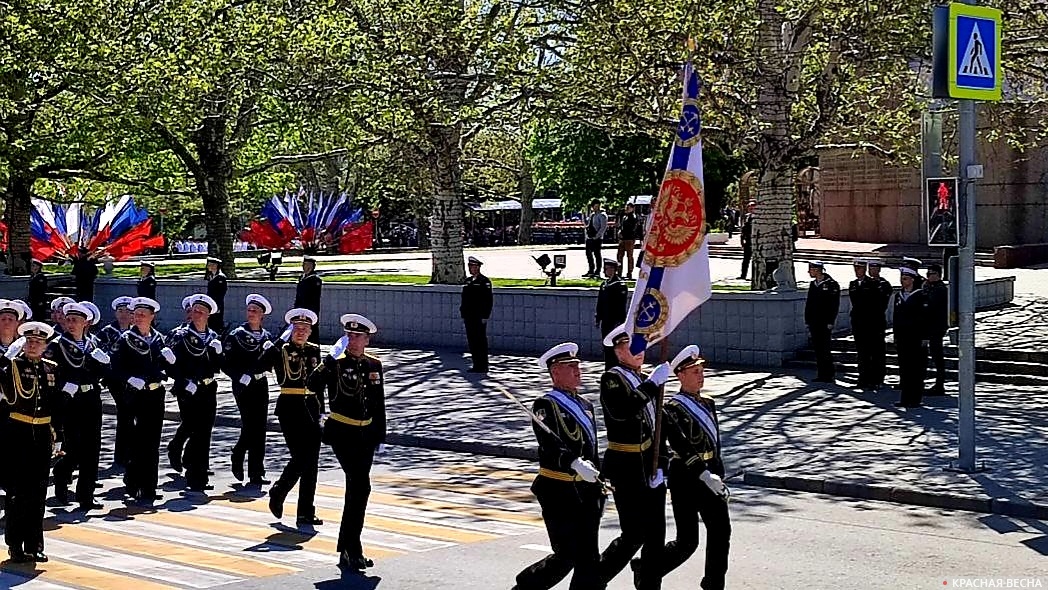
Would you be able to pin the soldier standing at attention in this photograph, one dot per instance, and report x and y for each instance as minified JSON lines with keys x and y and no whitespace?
{"x":746,"y":238}
{"x":140,"y":359}
{"x":79,"y":366}
{"x":611,"y":307}
{"x":910,"y":324}
{"x":198,"y":353}
{"x":880,"y":294}
{"x":863,"y":321}
{"x":477,"y":301}
{"x":820,"y":315}
{"x":216,"y":289}
{"x":307,"y":292}
{"x":37,"y":290}
{"x":147,"y":282}
{"x":696,"y":473}
{"x":298,"y":410}
{"x":914,"y":265}
{"x":355,"y":428}
{"x":630,"y":400}
{"x":628,"y":226}
{"x":566,"y":487}
{"x":34,"y":429}
{"x":246,"y":366}
{"x":938,"y":305}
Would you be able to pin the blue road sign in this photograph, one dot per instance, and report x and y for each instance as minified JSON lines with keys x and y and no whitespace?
{"x":975,"y":52}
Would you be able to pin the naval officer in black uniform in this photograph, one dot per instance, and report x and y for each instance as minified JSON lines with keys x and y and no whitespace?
{"x":820,"y":315}
{"x":880,"y":294}
{"x":612,"y":299}
{"x":356,"y":426}
{"x":307,"y":292}
{"x":216,"y":289}
{"x":147,"y":282}
{"x":567,"y":486}
{"x":38,"y":290}
{"x":477,"y":301}
{"x":246,"y":365}
{"x":910,"y":323}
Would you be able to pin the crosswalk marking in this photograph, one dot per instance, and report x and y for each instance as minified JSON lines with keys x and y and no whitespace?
{"x":84,"y":577}
{"x":490,"y":472}
{"x":454,"y":508}
{"x":139,"y":566}
{"x":492,"y":527}
{"x":468,"y":488}
{"x":19,"y":583}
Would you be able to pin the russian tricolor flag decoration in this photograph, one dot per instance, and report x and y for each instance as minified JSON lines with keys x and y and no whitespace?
{"x":316,"y":222}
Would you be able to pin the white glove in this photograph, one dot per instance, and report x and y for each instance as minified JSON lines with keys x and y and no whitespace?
{"x":267,"y":345}
{"x":191,"y":387}
{"x":586,"y":470}
{"x":100,"y":356}
{"x":136,"y":383}
{"x":660,"y":375}
{"x":381,"y":449}
{"x":168,"y":355}
{"x":15,"y":348}
{"x":70,"y":388}
{"x":657,"y":480}
{"x":339,"y":347}
{"x":245,"y":379}
{"x":216,"y":346}
{"x":286,"y":335}
{"x":713,"y":482}
{"x":58,"y":447}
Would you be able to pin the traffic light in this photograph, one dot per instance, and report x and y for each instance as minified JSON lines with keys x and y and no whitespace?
{"x":940,"y":199}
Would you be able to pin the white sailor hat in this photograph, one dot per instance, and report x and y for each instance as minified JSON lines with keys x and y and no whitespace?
{"x":911,"y":262}
{"x":617,"y":336}
{"x":611,"y":262}
{"x":354,"y":322}
{"x":122,"y":301}
{"x":907,"y":271}
{"x":474,"y":260}
{"x":96,"y":314}
{"x":816,"y":264}
{"x":205,"y":301}
{"x":60,"y":302}
{"x":148,"y":263}
{"x":7,"y":305}
{"x":260,"y":301}
{"x":145,"y":303}
{"x":38,"y":330}
{"x":300,"y":315}
{"x":860,"y":262}
{"x":875,"y":262}
{"x":565,"y":352}
{"x":77,"y":309}
{"x":25,"y":308}
{"x":186,"y":302}
{"x":214,"y":259}
{"x":690,"y":356}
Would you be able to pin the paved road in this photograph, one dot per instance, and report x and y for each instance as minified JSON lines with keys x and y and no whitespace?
{"x":451,"y":521}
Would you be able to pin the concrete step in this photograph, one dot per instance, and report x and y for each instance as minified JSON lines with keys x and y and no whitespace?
{"x":951,"y":375}
{"x":982,"y":365}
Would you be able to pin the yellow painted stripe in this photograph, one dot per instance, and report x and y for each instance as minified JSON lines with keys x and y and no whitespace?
{"x":438,"y":484}
{"x":185,"y":555}
{"x":489,"y":472}
{"x":440,"y":506}
{"x":395,"y":525}
{"x":69,"y":574}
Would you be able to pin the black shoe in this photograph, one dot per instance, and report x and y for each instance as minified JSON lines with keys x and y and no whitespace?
{"x":259,"y":481}
{"x":19,"y":556}
{"x":62,"y":495}
{"x":476,"y":370}
{"x":308,"y":520}
{"x":86,"y":506}
{"x":276,"y":504}
{"x":356,"y":563}
{"x":39,"y":557}
{"x":201,"y":488}
{"x":174,"y":457}
{"x":635,"y":566}
{"x":238,"y":466}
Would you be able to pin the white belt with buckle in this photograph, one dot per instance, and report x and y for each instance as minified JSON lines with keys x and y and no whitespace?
{"x":207,"y":381}
{"x":258,"y":376}
{"x":84,"y":388}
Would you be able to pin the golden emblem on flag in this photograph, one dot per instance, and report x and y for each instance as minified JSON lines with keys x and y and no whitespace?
{"x":678,"y":225}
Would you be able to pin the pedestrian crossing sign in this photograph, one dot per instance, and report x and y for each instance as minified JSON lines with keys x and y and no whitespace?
{"x":975,"y":52}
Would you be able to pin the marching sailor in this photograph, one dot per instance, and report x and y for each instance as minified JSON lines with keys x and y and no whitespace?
{"x":567,"y":486}
{"x":198,"y":357}
{"x":57,"y":317}
{"x":107,"y":338}
{"x":630,"y":402}
{"x":34,"y":428}
{"x":696,"y":473}
{"x":246,"y":366}
{"x":140,"y":359}
{"x":80,"y":366}
{"x":356,"y":426}
{"x":12,"y":313}
{"x":298,"y":410}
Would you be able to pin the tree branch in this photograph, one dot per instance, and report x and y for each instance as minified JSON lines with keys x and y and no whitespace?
{"x":63,"y":173}
{"x":180,"y":149}
{"x":290,"y":159}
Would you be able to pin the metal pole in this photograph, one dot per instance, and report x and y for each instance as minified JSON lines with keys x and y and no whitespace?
{"x":966,"y":294}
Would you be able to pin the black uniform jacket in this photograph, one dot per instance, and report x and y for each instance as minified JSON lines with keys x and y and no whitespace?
{"x":195,"y":359}
{"x":477,"y":298}
{"x":147,"y":286}
{"x":31,"y":391}
{"x":569,"y":440}
{"x":691,"y":444}
{"x":216,"y":289}
{"x":912,"y":315}
{"x":938,"y":306}
{"x":307,"y":292}
{"x":823,"y":303}
{"x":356,"y":397}
{"x":629,"y":416}
{"x":75,"y":366}
{"x":138,"y":355}
{"x":611,"y":302}
{"x":293,"y":364}
{"x":245,"y":353}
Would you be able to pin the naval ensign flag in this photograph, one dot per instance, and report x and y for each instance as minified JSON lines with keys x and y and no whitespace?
{"x":674,"y":277}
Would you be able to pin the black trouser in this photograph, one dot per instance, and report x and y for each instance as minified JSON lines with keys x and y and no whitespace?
{"x":878,"y":350}
{"x":691,"y":500}
{"x":192,"y":441}
{"x":29,"y":465}
{"x":125,"y":423}
{"x":82,"y":442}
{"x":747,"y":255}
{"x":299,"y":417}
{"x":642,"y":518}
{"x":477,"y":338}
{"x":572,"y":514}
{"x":820,"y":341}
{"x":143,"y":468}
{"x":935,"y":350}
{"x":610,"y":360}
{"x":355,"y":459}
{"x":253,"y":403}
{"x":913,"y":362}
{"x":593,"y":259}
{"x":864,"y":351}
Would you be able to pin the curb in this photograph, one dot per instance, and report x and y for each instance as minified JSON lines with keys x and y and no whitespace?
{"x":985,"y":504}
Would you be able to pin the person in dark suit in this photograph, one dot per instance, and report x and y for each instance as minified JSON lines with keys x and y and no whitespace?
{"x":307,"y":292}
{"x":84,"y":273}
{"x":611,"y":307}
{"x":820,"y":315}
{"x":147,"y":282}
{"x":880,"y":294}
{"x":910,"y":325}
{"x":746,"y":237}
{"x":216,"y":289}
{"x":477,"y":301}
{"x":938,"y":304}
{"x":38,"y":304}
{"x":864,"y":321}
